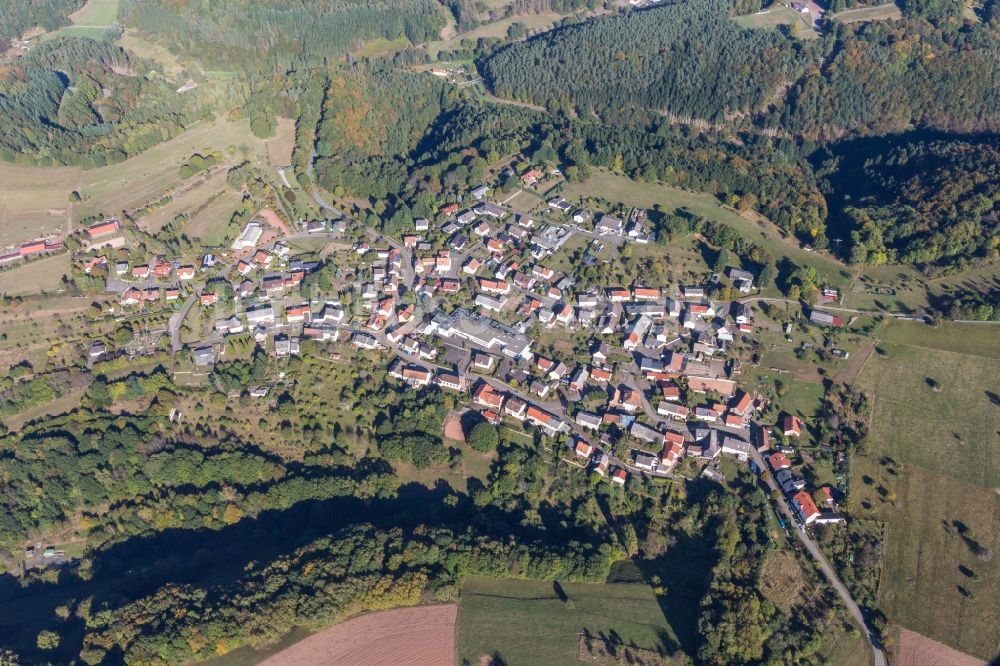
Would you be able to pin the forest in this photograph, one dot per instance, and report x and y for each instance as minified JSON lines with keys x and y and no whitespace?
{"x":930,"y":201}
{"x":18,"y":17}
{"x":270,"y":34}
{"x":75,"y":101}
{"x":886,"y":77}
{"x":686,"y":59}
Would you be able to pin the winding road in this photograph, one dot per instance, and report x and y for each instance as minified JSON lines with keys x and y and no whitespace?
{"x":824,"y":564}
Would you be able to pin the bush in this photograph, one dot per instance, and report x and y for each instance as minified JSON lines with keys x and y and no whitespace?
{"x":484,"y":437}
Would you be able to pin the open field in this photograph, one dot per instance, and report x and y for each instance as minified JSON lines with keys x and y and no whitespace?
{"x":279,"y":148}
{"x":142,"y":178}
{"x":949,"y":427}
{"x":209,"y":224}
{"x":627,"y":191}
{"x":34,"y":201}
{"x":420,"y":635}
{"x":917,"y":650}
{"x":776,"y":15}
{"x":91,"y":20}
{"x":932,"y":476}
{"x":202,"y":194}
{"x":40,"y":275}
{"x":96,"y":12}
{"x":499,"y":28}
{"x":884,"y":12}
{"x":526,"y":622}
{"x":134,"y":42}
{"x":381,"y":47}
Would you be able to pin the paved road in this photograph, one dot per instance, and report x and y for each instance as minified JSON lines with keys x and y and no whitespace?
{"x":824,"y":564}
{"x":176,"y":319}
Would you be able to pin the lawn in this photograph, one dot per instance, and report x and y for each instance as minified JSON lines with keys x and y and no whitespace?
{"x":633,"y":193}
{"x":35,"y":276}
{"x":932,"y":475}
{"x":96,"y":12}
{"x":526,"y":622}
{"x":877,"y":13}
{"x":778,"y":15}
{"x":279,"y":147}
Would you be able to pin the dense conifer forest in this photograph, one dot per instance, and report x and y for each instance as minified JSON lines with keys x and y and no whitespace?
{"x":248,"y":34}
{"x":686,"y":59}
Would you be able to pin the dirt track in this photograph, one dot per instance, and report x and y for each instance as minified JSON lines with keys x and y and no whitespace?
{"x":422,"y":635}
{"x":918,"y":650}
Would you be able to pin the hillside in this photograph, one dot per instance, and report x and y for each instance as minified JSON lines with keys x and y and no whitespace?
{"x":250,"y":34}
{"x":920,"y":201}
{"x":686,"y":59}
{"x":18,"y":17}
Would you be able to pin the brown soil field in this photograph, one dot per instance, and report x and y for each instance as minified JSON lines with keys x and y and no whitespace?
{"x":453,"y":427}
{"x":918,"y":650}
{"x":421,"y":635}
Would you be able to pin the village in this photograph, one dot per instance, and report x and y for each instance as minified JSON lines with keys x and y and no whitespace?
{"x":650,"y":390}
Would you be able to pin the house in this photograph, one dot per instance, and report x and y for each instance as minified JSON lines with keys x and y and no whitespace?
{"x":645,"y":294}
{"x":101,"y":229}
{"x":171,"y":294}
{"x":588,"y":420}
{"x":609,"y":225}
{"x":530,"y":177}
{"x":806,"y":507}
{"x":619,"y":476}
{"x":480,"y":192}
{"x":644,"y":433}
{"x":416,"y":376}
{"x":791,"y":426}
{"x":693,"y":293}
{"x":741,"y":403}
{"x":487,"y":396}
{"x":98,"y":349}
{"x":579,"y":378}
{"x":670,"y":391}
{"x":601,"y":461}
{"x":551,"y":424}
{"x":627,"y":398}
{"x":285,"y":346}
{"x":670,"y":410}
{"x":468,"y":217}
{"x":583,"y":448}
{"x":490,"y":209}
{"x":483,"y":361}
{"x":761,"y":437}
{"x":600,"y":375}
{"x":203,"y":356}
{"x":296,"y":314}
{"x":647,"y":462}
{"x":489,"y":302}
{"x":130,"y":296}
{"x":515,"y":408}
{"x":709,"y":444}
{"x":560,"y":204}
{"x":260,"y":314}
{"x":451,"y":380}
{"x":364,"y":341}
{"x":421,"y":224}
{"x":581,"y":216}
{"x":778,"y":461}
{"x":736,"y":447}
{"x":449,"y":210}
{"x":140,"y":271}
{"x":321,"y":333}
{"x":821,"y":318}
